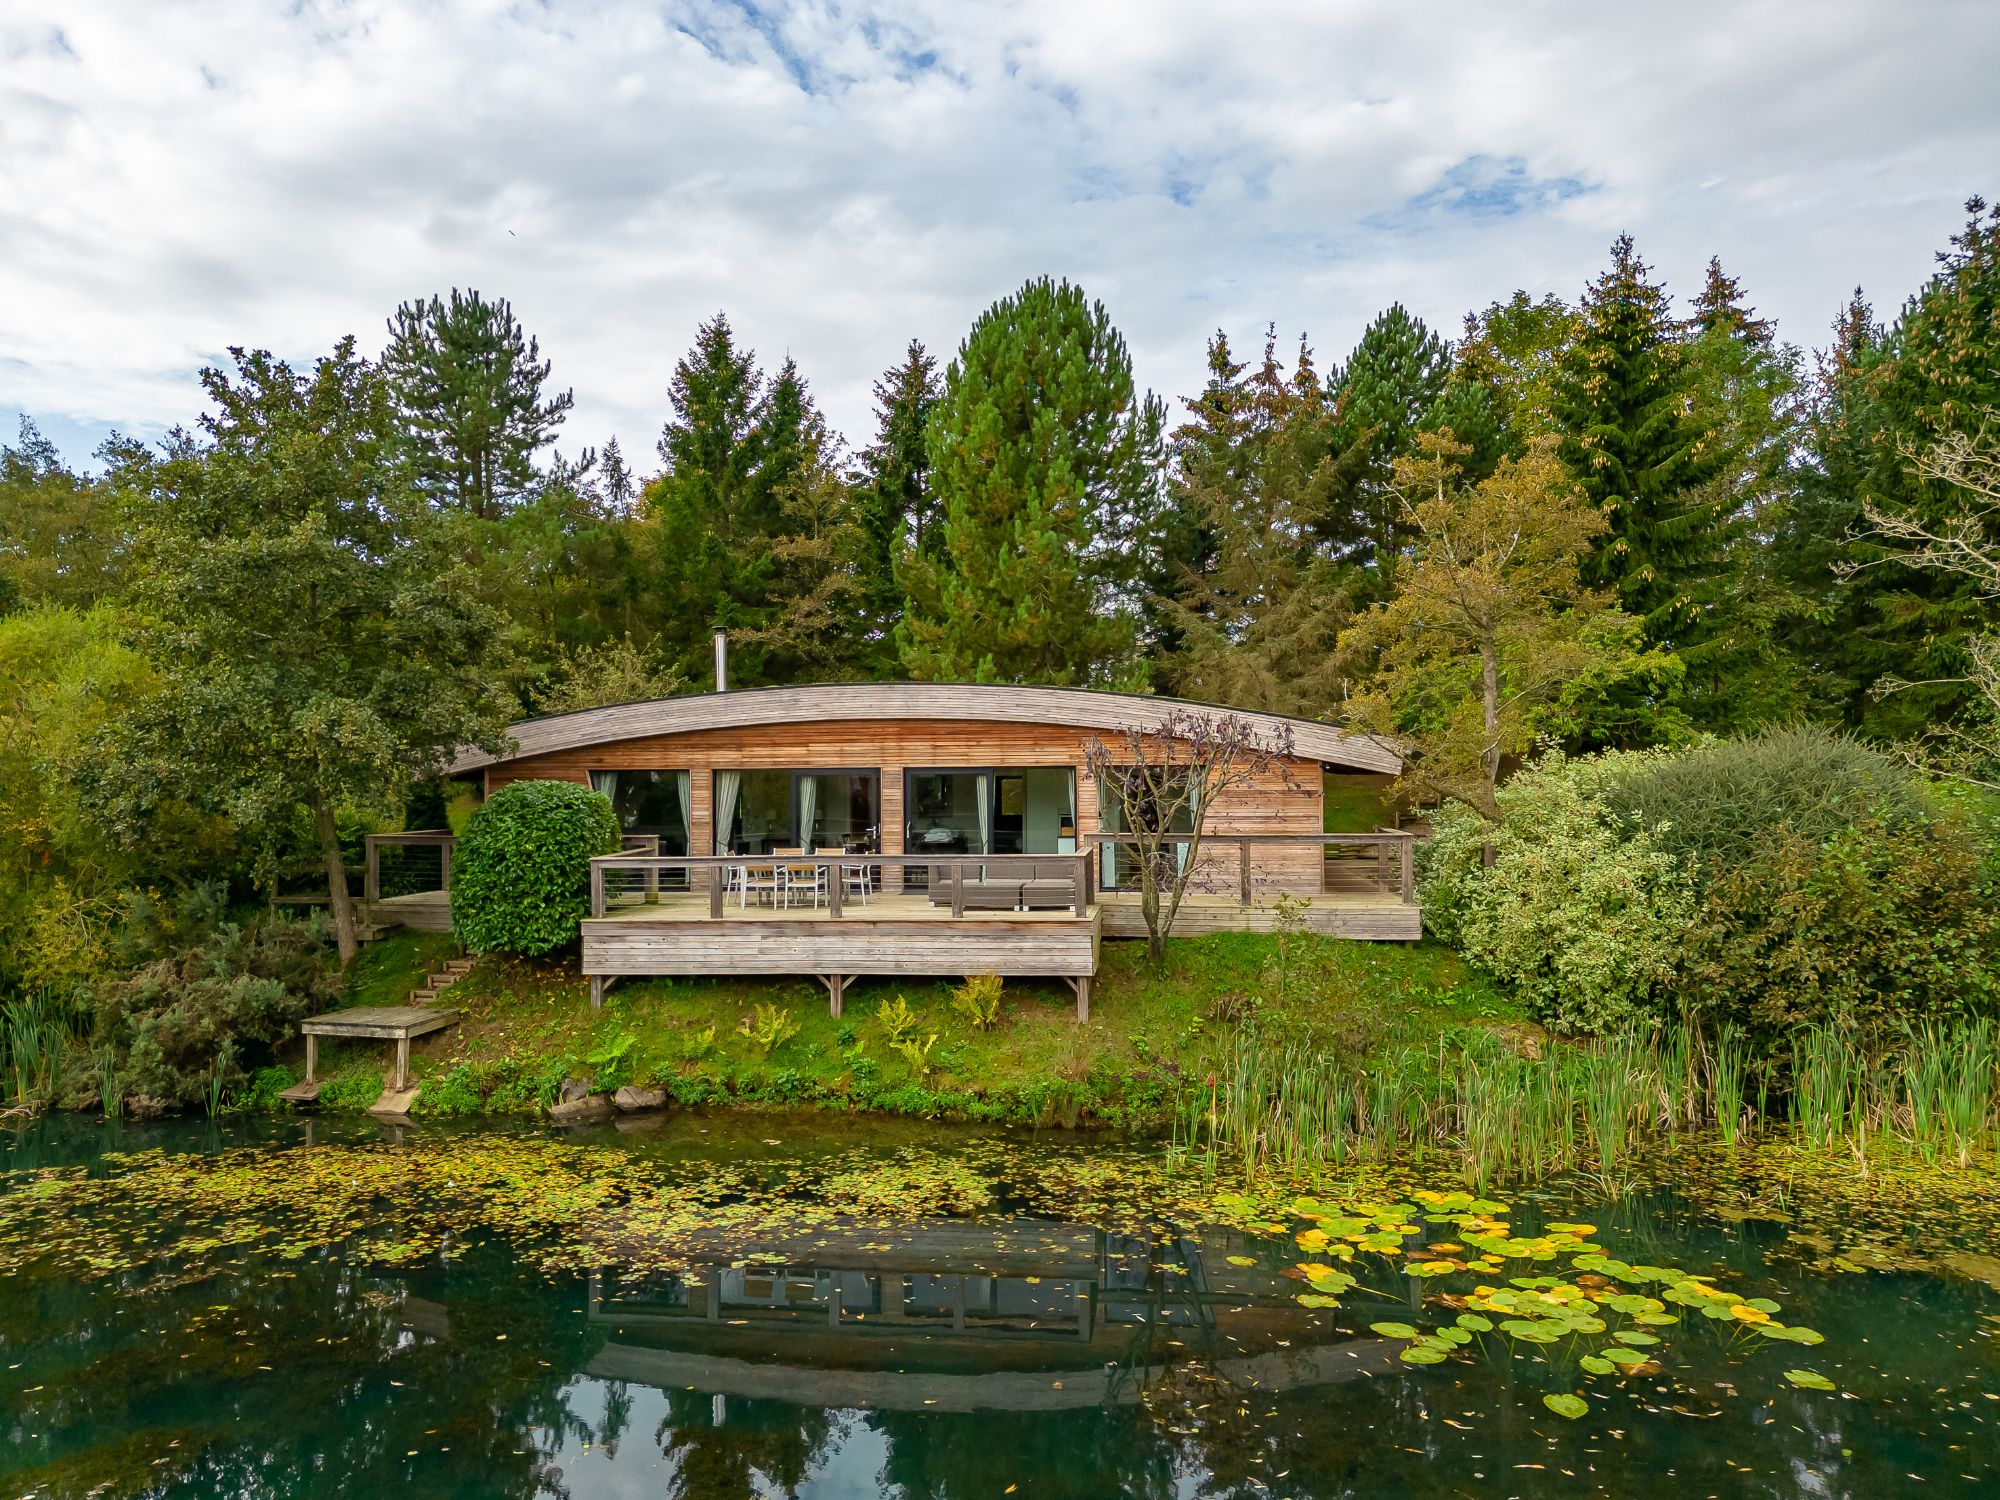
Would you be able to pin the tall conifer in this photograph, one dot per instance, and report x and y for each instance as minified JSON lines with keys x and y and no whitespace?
{"x":1619,"y":403}
{"x":467,"y":385}
{"x":1046,"y":460}
{"x":897,"y":509}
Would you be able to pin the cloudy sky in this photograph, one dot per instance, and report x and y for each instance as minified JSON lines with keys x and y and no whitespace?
{"x":178,"y":177}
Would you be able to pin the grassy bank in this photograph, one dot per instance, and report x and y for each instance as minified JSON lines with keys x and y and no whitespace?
{"x":529,"y":1026}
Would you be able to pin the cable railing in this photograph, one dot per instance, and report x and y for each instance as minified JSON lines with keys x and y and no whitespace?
{"x":1381,"y":863}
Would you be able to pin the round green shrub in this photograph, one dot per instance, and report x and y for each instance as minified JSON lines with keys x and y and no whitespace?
{"x":520,"y":880}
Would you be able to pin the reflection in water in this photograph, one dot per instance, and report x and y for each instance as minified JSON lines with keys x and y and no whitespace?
{"x":939,"y":1359}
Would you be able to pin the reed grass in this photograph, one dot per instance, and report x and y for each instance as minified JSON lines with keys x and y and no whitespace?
{"x":1590,"y":1107}
{"x":35,"y":1036}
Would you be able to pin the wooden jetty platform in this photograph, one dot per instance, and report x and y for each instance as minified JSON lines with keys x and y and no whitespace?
{"x":394,"y":1023}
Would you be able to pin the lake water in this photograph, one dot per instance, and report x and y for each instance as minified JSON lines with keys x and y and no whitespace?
{"x":1020,"y":1325}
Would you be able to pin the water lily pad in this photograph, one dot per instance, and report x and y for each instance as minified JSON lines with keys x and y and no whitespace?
{"x":1418,"y":1354}
{"x":1242,"y":1260}
{"x":1630,"y":1336}
{"x":1393,"y":1330}
{"x":1477,"y":1322}
{"x":1597,"y":1364}
{"x":1565,"y":1405}
{"x":1810,"y":1380}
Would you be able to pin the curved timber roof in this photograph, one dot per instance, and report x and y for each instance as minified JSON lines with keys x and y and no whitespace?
{"x":1074,"y":707}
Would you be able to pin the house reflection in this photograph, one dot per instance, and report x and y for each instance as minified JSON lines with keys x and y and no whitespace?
{"x":955,"y":1315}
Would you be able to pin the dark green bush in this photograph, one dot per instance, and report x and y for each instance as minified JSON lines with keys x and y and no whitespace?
{"x":521,"y":873}
{"x":1869,"y":928}
{"x":1722,"y":799}
{"x":216,"y":1004}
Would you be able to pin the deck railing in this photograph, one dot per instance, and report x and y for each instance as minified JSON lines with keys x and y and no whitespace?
{"x":963,"y":882}
{"x":1384,"y":860}
{"x":409,"y":869}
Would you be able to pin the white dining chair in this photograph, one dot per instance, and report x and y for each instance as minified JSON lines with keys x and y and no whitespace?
{"x":859,"y":879}
{"x":766,"y":880}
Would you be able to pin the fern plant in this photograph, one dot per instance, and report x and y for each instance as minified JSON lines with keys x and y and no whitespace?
{"x":770,"y":1027}
{"x":917,"y":1053}
{"x":896,"y":1019}
{"x":978,"y":1000}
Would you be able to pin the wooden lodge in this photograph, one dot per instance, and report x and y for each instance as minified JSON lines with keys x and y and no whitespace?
{"x":912,"y":828}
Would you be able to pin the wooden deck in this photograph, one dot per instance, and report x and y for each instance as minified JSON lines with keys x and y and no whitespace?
{"x":891,"y":934}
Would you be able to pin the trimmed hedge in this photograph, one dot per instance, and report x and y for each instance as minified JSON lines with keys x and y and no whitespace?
{"x":520,"y":879}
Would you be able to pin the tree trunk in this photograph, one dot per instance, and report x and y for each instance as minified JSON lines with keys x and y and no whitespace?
{"x":1489,"y":689}
{"x":1149,"y":907}
{"x":336,"y":883}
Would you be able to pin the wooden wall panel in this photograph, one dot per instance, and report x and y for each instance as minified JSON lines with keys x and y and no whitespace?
{"x":1272,"y":803}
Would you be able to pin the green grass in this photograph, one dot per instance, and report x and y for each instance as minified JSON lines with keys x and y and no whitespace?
{"x":527,"y":1025}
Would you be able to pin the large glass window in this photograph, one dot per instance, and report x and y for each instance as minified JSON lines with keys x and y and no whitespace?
{"x":813,"y":810}
{"x":1123,"y":805}
{"x":652,"y":802}
{"x":1026,"y":811}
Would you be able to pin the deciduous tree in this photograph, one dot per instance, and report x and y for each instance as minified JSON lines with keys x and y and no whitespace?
{"x":320,"y":641}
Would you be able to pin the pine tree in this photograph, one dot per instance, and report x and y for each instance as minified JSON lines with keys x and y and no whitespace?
{"x":1619,"y":404}
{"x":1209,"y":454}
{"x":1935,"y":375}
{"x":1261,"y":463}
{"x":712,"y":518}
{"x":896,"y":508}
{"x":1046,"y":460}
{"x":1395,"y":374}
{"x":1743,"y":401}
{"x":1720,"y":308}
{"x":467,"y":385}
{"x":1812,"y":538}
{"x":620,"y":488}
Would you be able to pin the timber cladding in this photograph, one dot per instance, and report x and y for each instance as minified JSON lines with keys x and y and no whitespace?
{"x":1277,"y":801}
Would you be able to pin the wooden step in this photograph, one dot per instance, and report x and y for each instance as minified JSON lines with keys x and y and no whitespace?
{"x":394,"y":1101}
{"x":302,"y":1093}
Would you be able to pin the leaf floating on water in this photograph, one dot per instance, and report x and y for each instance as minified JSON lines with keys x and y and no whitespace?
{"x":1393,"y":1330}
{"x":1565,"y":1405}
{"x":1810,"y":1380}
{"x":1242,"y":1260}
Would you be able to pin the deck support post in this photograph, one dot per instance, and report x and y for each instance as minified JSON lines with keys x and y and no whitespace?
{"x":599,"y":983}
{"x":836,"y":991}
{"x":957,"y":889}
{"x":1081,"y":984}
{"x":596,"y":889}
{"x":312,"y":1057}
{"x":402,"y":1062}
{"x":715,"y":893}
{"x":835,"y":879}
{"x":1243,"y":873}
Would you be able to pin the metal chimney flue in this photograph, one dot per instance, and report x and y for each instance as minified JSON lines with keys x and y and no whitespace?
{"x":721,"y":662}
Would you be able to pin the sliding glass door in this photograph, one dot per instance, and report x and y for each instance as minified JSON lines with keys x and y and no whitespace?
{"x":1031,"y":810}
{"x":757,"y":812}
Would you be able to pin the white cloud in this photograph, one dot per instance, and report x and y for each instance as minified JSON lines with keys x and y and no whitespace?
{"x":177,"y":177}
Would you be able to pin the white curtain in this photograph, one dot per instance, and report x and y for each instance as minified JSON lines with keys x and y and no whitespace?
{"x":727,"y":785}
{"x":605,"y":784}
{"x":983,"y":788}
{"x":808,"y":810}
{"x":684,"y":787}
